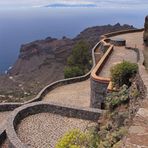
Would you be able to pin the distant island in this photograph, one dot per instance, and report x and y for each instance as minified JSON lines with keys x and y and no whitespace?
{"x":70,"y":5}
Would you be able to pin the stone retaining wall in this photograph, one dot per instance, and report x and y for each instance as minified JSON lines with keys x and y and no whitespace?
{"x":99,"y":84}
{"x":40,"y":107}
{"x":14,"y":140}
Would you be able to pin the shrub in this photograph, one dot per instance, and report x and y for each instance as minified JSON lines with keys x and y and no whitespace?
{"x":115,"y":99}
{"x":70,"y":72}
{"x":123,"y":72}
{"x":73,"y":139}
{"x":78,"y":139}
{"x":79,"y":62}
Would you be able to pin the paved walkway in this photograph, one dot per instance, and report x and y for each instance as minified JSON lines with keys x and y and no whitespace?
{"x":118,"y":55}
{"x":77,"y":94}
{"x":43,"y":130}
{"x":138,"y":132}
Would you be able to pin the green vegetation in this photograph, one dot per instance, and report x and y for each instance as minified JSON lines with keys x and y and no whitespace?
{"x":79,"y":61}
{"x":72,"y":72}
{"x":114,"y":123}
{"x":116,"y":99}
{"x":123,"y":72}
{"x":78,"y":139}
{"x":110,"y":138}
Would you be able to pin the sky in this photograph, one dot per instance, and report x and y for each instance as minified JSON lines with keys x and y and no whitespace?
{"x":71,"y":3}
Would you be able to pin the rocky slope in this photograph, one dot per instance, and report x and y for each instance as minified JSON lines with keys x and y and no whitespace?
{"x":42,"y":62}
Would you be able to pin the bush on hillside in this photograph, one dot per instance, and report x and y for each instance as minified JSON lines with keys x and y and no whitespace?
{"x":78,"y":139}
{"x":116,"y":99}
{"x":79,"y":61}
{"x":123,"y":72}
{"x":70,"y":72}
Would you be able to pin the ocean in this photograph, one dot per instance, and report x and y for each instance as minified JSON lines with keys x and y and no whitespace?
{"x":22,"y":25}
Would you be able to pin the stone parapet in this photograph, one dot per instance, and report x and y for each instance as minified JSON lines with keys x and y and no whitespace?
{"x":40,"y":107}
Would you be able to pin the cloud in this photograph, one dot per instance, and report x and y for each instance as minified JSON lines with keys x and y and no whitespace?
{"x":76,"y":3}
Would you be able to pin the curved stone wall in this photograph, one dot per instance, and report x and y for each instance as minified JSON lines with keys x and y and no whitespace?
{"x":108,"y":35}
{"x":40,"y":107}
{"x":103,"y":82}
{"x":99,"y":84}
{"x":117,"y":41}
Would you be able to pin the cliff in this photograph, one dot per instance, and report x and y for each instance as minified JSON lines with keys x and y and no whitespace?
{"x":42,"y":62}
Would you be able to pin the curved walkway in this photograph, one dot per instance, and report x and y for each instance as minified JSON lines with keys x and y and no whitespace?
{"x":44,"y":130}
{"x":77,"y":94}
{"x":118,"y":55}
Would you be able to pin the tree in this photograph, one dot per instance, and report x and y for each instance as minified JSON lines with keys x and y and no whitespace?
{"x":79,"y":61}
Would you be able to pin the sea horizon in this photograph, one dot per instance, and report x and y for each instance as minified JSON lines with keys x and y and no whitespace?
{"x":22,"y":25}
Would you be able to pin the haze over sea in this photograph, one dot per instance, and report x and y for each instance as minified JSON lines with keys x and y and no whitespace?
{"x":27,"y":20}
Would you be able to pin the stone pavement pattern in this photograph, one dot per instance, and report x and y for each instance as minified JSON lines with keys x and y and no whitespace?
{"x":76,"y":94}
{"x":44,"y":129}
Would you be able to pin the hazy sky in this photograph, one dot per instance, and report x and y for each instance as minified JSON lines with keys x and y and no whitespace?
{"x":97,"y":3}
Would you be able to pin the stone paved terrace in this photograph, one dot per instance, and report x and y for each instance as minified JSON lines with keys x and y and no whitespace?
{"x":77,"y":94}
{"x":118,"y":55}
{"x":44,"y":129}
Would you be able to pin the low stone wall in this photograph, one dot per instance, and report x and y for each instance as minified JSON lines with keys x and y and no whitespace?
{"x":40,"y":107}
{"x":120,"y":32}
{"x":9,"y":106}
{"x":56,"y":84}
{"x":99,"y":84}
{"x":135,"y":50}
{"x":117,"y":42}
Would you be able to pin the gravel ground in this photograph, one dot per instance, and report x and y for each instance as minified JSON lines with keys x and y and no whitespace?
{"x":43,"y":130}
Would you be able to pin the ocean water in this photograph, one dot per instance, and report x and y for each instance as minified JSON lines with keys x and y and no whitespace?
{"x":21,"y":25}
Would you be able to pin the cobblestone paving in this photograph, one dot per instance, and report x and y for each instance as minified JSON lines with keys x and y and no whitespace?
{"x":119,"y":54}
{"x":77,"y":94}
{"x":44,"y":129}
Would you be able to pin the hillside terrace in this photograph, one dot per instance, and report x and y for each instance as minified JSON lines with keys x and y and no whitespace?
{"x":25,"y":128}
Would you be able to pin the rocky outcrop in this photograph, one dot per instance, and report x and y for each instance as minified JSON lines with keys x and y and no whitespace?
{"x":42,"y":62}
{"x":92,"y":34}
{"x":145,"y":35}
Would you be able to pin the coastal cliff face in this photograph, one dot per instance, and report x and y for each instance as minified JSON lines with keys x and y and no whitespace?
{"x":42,"y":62}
